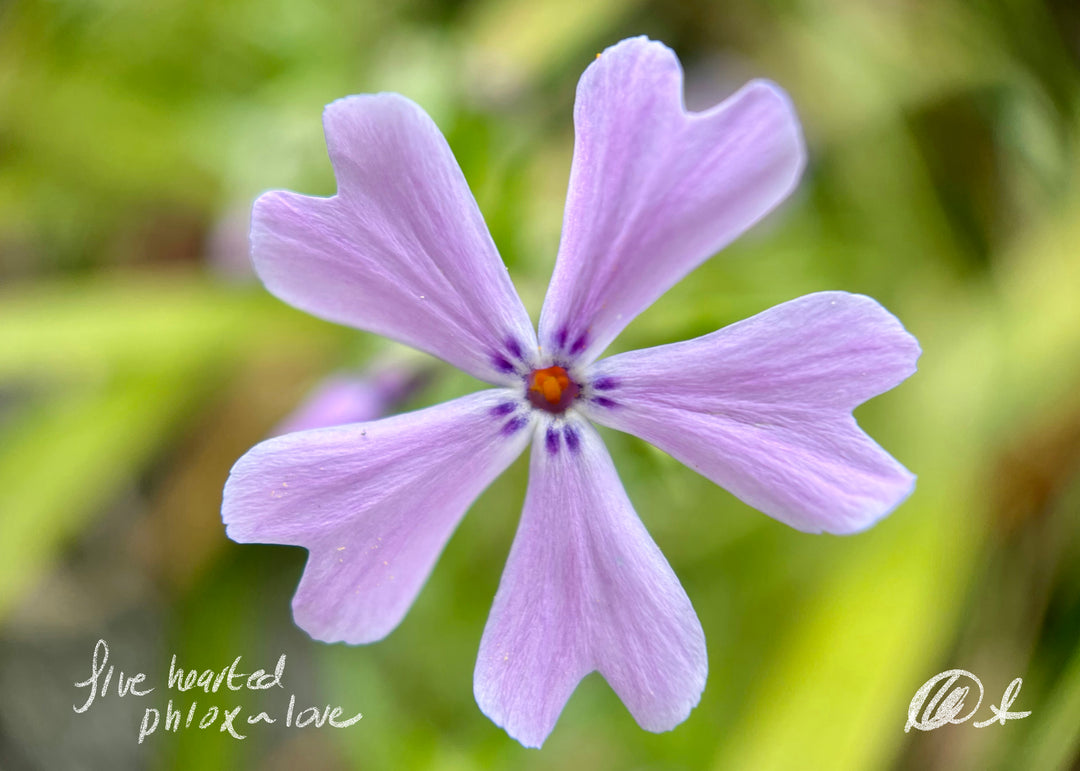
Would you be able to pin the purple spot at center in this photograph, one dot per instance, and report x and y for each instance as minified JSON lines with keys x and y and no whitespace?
{"x":551,"y":440}
{"x":573,"y":441}
{"x":514,"y":425}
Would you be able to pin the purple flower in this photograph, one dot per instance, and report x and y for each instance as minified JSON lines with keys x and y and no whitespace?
{"x":762,"y":407}
{"x":352,"y":398}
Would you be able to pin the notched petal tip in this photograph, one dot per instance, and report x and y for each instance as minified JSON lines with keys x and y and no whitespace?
{"x":401,"y":249}
{"x":586,"y":589}
{"x":639,"y":45}
{"x":905,"y":345}
{"x":322,"y":630}
{"x":340,"y":113}
{"x":854,"y":524}
{"x":355,"y":125}
{"x":764,"y":408}
{"x":855,"y":519}
{"x":240,"y":518}
{"x":373,"y":503}
{"x":691,"y":181}
{"x":780,"y":121}
{"x":632,"y":59}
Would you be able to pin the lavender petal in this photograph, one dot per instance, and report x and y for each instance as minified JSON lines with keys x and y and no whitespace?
{"x":655,"y":190}
{"x":585,"y":588}
{"x":374,"y":503}
{"x":763,"y":408}
{"x":401,"y":250}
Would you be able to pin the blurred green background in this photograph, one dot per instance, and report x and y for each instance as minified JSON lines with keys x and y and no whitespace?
{"x":139,"y":358}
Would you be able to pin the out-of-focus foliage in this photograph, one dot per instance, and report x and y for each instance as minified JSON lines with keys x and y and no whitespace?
{"x":139,"y":358}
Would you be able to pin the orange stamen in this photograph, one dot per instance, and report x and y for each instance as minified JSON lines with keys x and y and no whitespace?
{"x":550,"y":383}
{"x":551,"y":389}
{"x":552,"y":392}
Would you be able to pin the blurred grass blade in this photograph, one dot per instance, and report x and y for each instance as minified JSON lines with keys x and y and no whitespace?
{"x":1054,"y":741}
{"x":89,"y":329}
{"x":63,"y":461}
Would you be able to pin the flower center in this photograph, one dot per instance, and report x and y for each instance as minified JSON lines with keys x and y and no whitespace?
{"x":551,"y":389}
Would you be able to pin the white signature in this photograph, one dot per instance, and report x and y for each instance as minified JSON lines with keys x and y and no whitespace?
{"x":950,"y":690}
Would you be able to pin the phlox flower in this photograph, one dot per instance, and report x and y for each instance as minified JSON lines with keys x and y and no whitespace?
{"x":352,"y":397}
{"x":761,"y":407}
